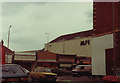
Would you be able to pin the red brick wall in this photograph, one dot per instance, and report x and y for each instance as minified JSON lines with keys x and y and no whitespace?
{"x":105,"y":17}
{"x":46,"y":55}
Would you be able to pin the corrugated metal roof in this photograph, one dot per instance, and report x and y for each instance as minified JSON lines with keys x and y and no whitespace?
{"x":73,"y":36}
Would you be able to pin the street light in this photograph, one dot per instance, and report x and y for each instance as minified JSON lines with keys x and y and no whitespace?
{"x":9,"y":35}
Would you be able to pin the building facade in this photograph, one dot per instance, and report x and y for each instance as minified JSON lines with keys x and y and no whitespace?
{"x":27,"y":59}
{"x":46,"y":59}
{"x":106,"y":38}
{"x":105,"y":17}
{"x":66,"y":61}
{"x":100,"y":44}
{"x":74,"y":44}
{"x":6,"y":54}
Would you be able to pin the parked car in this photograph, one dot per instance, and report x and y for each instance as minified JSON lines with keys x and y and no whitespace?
{"x":114,"y":78}
{"x":82,"y":70}
{"x":13,"y":73}
{"x":42,"y":73}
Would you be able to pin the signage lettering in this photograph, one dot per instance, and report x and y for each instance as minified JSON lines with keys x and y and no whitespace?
{"x":86,"y":42}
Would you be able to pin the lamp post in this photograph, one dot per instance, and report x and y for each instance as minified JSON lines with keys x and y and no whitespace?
{"x":9,"y":35}
{"x":8,"y":40}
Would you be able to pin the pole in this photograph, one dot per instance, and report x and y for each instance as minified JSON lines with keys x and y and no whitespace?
{"x":9,"y":35}
{"x":8,"y":40}
{"x":47,"y":35}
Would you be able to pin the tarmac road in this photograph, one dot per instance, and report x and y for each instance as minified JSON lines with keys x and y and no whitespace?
{"x":71,"y":79}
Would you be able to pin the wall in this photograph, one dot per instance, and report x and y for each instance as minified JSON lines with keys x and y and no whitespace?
{"x":71,"y":47}
{"x":46,"y":56}
{"x":99,"y":44}
{"x":108,"y":11}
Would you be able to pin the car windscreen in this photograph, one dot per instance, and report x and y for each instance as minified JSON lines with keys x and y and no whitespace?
{"x":10,"y":69}
{"x":78,"y":67}
{"x":83,"y":67}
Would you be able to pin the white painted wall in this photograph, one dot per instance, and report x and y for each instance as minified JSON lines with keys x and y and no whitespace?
{"x":70,"y":47}
{"x":99,"y":44}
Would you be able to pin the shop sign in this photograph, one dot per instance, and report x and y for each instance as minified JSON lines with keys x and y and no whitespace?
{"x":25,"y":57}
{"x":86,"y":42}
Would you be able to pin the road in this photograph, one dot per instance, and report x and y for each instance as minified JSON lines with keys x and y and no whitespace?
{"x":70,"y":79}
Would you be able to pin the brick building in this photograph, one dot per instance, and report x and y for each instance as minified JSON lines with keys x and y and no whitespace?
{"x":106,"y":38}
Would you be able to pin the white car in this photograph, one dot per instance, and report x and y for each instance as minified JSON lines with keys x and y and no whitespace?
{"x":82,"y":70}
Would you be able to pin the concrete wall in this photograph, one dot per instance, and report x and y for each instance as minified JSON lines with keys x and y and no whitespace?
{"x":99,"y":44}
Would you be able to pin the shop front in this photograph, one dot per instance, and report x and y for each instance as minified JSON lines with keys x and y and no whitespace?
{"x":80,"y":60}
{"x":6,"y":54}
{"x":46,"y":59}
{"x":66,"y":61}
{"x":26,"y":60}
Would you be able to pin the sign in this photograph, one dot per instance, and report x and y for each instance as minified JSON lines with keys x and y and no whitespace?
{"x":25,"y":57}
{"x":86,"y":42}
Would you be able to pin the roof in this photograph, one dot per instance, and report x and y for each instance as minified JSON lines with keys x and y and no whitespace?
{"x":7,"y":50}
{"x":30,"y":51}
{"x":73,"y":36}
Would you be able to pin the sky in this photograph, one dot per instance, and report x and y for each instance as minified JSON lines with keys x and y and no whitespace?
{"x":31,"y":20}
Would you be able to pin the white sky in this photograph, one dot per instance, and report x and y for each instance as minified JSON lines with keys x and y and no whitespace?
{"x":31,"y":20}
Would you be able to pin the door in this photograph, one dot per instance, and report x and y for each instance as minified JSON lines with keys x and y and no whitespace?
{"x":109,"y":61}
